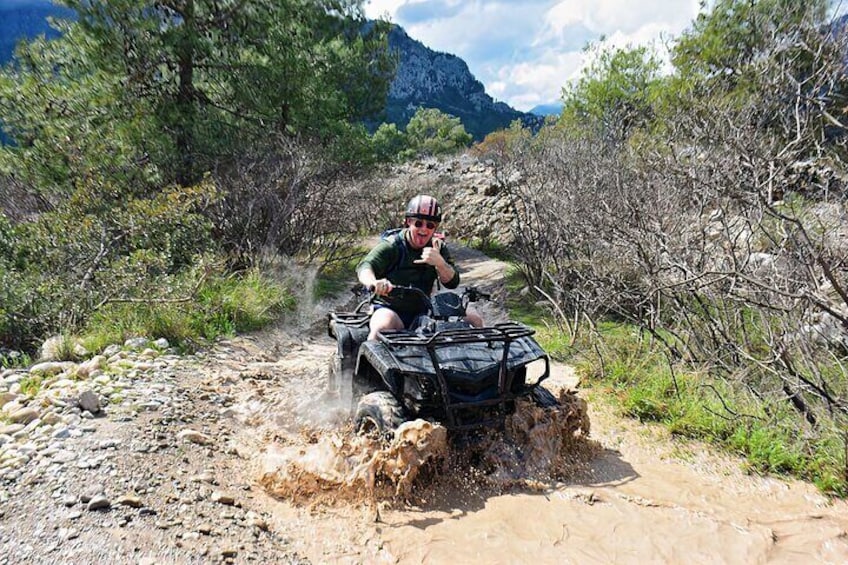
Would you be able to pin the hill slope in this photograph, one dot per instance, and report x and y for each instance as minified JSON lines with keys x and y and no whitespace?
{"x":427,"y":78}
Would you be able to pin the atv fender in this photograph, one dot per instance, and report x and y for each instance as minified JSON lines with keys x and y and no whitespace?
{"x":375,"y":368}
{"x":348,"y":340}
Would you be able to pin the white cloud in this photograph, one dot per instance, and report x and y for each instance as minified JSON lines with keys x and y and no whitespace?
{"x":540,"y":81}
{"x":379,"y":8}
{"x":626,"y":16}
{"x":524,"y":52}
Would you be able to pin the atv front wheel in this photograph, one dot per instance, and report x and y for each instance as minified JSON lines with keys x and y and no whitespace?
{"x":378,"y":413}
{"x":543,"y":398}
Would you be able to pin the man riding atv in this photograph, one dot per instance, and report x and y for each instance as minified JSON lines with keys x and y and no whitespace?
{"x":415,"y":256}
{"x":404,"y":353}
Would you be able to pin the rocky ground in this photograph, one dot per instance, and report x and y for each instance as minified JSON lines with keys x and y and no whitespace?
{"x":139,"y":460}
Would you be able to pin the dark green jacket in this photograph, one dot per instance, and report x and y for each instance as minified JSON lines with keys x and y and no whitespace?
{"x":407,"y":273}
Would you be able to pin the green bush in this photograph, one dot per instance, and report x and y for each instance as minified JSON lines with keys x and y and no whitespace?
{"x":223,"y":305}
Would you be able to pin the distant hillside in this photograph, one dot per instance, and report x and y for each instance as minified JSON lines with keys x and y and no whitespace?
{"x":20,"y":19}
{"x":554,"y":109}
{"x":426,"y":78}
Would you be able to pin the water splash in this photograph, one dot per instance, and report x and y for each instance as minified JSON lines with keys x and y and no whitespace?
{"x":537,"y":446}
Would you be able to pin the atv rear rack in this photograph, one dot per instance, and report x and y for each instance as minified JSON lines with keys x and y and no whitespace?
{"x":505,"y":333}
{"x":356,"y":319}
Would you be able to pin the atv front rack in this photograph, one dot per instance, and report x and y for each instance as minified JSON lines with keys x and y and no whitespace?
{"x":504,"y":333}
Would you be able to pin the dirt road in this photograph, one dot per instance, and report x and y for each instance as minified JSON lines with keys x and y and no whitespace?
{"x":179,"y":467}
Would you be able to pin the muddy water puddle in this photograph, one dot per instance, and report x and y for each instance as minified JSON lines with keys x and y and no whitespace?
{"x":626,"y":495}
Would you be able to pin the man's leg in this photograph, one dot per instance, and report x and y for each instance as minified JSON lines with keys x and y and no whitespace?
{"x":473,"y":318}
{"x":384,"y":319}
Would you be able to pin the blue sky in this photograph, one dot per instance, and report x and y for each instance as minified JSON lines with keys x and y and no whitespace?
{"x":525,"y":51}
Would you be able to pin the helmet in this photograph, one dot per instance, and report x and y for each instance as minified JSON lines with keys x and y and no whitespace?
{"x":424,"y":207}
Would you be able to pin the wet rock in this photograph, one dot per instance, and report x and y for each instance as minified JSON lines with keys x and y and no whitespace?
{"x":90,"y":401}
{"x":99,"y":502}
{"x":194,"y":436}
{"x":23,"y":415}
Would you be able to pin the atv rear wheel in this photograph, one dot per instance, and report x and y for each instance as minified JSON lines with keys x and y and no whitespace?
{"x":378,"y":413}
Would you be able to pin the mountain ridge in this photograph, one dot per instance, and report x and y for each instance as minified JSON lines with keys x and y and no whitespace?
{"x":432,"y":79}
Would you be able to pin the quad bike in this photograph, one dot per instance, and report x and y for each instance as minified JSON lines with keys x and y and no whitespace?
{"x":441,"y":368}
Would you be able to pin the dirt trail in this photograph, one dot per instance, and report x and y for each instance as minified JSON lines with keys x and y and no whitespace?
{"x":637,"y":496}
{"x":645,"y":498}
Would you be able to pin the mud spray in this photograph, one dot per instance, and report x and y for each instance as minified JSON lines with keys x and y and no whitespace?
{"x":537,"y":446}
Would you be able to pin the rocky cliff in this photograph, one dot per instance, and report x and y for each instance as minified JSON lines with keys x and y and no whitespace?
{"x":427,"y":78}
{"x":23,"y":19}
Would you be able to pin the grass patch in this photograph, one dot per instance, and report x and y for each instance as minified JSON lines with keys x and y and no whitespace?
{"x":490,"y":247}
{"x":631,"y":371}
{"x":31,"y":384}
{"x":222,"y":306}
{"x":15,"y":360}
{"x":338,"y":276}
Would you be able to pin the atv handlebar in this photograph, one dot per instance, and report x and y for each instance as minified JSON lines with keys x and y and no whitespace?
{"x":470,"y":293}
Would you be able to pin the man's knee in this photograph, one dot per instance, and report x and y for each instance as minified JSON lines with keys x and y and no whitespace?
{"x":474,"y":319}
{"x":384,"y":319}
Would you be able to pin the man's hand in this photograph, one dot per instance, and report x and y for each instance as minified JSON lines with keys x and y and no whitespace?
{"x":431,"y":255}
{"x":382,"y":287}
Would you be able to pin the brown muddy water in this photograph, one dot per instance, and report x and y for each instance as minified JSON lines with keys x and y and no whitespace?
{"x":625,"y":494}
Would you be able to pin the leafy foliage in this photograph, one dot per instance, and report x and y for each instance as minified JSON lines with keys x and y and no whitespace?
{"x":615,"y":93}
{"x":135,"y":125}
{"x":388,"y":142}
{"x":499,"y":145}
{"x":432,"y":132}
{"x":705,"y":209}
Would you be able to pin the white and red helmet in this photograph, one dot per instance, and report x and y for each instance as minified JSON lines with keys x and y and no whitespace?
{"x":424,"y":207}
